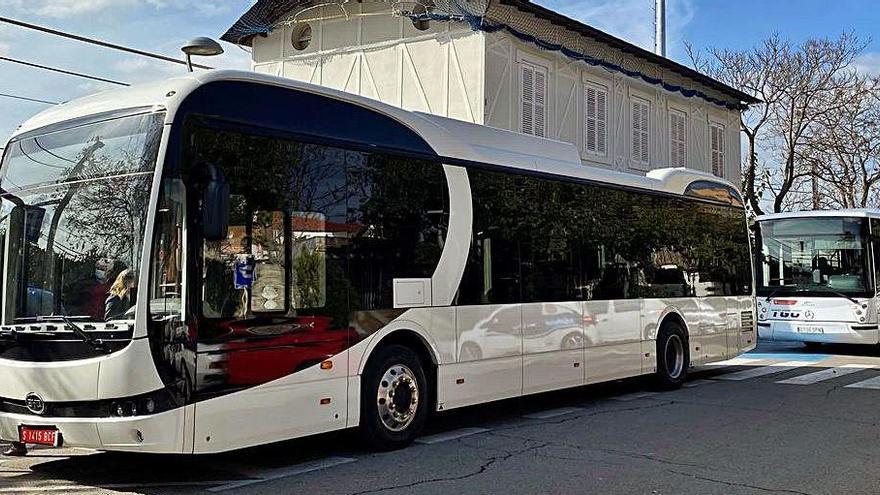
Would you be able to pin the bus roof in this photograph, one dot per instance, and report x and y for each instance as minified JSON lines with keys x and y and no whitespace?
{"x":450,"y":138}
{"x":849,"y":212}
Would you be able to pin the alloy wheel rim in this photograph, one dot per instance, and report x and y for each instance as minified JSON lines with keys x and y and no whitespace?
{"x":398,"y":397}
{"x":674,"y":354}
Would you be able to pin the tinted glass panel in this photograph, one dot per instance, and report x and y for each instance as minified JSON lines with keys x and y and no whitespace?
{"x":318,"y":229}
{"x":542,"y":240}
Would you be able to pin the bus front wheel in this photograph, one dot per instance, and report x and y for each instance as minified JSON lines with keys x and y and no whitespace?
{"x":672,"y":355}
{"x":393,"y":398}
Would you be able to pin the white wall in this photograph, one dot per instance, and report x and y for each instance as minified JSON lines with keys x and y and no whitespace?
{"x":438,"y":70}
{"x":565,"y":108}
{"x":453,"y":71}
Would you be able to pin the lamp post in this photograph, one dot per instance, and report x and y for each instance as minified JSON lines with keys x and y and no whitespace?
{"x":204,"y":47}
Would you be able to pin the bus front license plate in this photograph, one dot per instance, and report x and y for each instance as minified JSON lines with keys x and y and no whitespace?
{"x":810,"y":329}
{"x":40,"y":435}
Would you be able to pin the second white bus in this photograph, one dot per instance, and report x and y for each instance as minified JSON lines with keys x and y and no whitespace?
{"x":817,"y":276}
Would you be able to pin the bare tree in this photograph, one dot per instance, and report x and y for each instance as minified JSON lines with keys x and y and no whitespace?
{"x":800,"y":86}
{"x":844,"y":150}
{"x":748,"y":71}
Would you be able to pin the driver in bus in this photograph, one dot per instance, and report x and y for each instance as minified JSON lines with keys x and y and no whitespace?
{"x":820,"y":272}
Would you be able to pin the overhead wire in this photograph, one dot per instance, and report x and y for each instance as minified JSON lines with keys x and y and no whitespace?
{"x":63,"y":71}
{"x":97,"y":42}
{"x":27,"y":98}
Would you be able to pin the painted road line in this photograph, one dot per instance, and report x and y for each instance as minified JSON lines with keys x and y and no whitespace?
{"x":109,"y":486}
{"x":828,"y":374}
{"x":552,"y":413}
{"x":697,"y":383}
{"x":276,"y":474}
{"x":769,"y":369}
{"x":634,"y":396}
{"x":450,"y":435}
{"x":870,"y":383}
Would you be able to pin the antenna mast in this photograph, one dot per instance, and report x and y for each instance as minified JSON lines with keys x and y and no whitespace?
{"x":660,"y":27}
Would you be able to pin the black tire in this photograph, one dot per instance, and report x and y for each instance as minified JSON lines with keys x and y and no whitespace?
{"x":405,"y":368}
{"x":673,"y":356}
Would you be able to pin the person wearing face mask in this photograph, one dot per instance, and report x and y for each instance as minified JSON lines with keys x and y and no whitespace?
{"x":98,"y":292}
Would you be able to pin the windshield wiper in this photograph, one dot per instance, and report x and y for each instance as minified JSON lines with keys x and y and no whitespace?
{"x":841,"y":294}
{"x":96,"y":344}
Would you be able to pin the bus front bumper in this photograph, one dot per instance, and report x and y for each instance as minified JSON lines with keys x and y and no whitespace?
{"x":818,"y":331}
{"x":159,"y":433}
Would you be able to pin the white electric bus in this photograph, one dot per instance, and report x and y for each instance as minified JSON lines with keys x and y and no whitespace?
{"x":817,"y":276}
{"x":229,"y":259}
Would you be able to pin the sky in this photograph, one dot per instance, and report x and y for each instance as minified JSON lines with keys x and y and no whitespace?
{"x":164,"y":25}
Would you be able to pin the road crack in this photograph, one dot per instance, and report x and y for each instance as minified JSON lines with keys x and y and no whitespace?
{"x":738,"y":484}
{"x":489,"y":462}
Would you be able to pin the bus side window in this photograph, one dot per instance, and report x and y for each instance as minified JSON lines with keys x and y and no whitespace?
{"x":167,"y":284}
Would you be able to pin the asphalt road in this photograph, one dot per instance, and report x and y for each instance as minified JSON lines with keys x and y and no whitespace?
{"x":778,"y":420}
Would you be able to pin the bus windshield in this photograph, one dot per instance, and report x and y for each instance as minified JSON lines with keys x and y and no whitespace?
{"x":819,"y":256}
{"x":73,"y":207}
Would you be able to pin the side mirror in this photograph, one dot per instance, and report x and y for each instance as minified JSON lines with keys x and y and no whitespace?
{"x":215,"y":205}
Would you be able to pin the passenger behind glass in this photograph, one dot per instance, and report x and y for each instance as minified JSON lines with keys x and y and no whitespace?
{"x":119,"y":301}
{"x":99,"y":291}
{"x":820,"y":270}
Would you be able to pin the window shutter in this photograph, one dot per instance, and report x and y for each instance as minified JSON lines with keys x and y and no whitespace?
{"x":645,"y":137}
{"x":716,"y":142}
{"x":601,"y":121}
{"x":540,"y":102}
{"x":595,"y":112}
{"x":527,"y":98}
{"x":677,"y":139}
{"x":534,"y":97}
{"x":640,"y":123}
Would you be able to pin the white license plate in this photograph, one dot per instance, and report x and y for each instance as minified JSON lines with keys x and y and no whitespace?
{"x":810,"y":329}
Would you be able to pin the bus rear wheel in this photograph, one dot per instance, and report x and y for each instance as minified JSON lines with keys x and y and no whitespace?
{"x":393,"y":398}
{"x":673,"y":356}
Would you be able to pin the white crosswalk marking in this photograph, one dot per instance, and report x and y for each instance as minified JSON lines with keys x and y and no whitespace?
{"x":870,"y":383}
{"x":763,"y":370}
{"x":827,"y":374}
{"x":739,"y":361}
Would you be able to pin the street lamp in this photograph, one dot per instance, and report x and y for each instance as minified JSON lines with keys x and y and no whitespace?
{"x":204,"y":47}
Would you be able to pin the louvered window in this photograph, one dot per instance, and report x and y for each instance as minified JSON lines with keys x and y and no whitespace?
{"x":595,"y":119}
{"x":716,"y":145}
{"x":534,"y":98}
{"x":641,"y":139}
{"x":677,"y":139}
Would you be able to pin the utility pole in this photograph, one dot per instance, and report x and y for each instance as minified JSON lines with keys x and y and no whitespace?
{"x":660,"y":27}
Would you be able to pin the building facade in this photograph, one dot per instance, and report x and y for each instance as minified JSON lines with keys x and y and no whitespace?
{"x":508,"y":64}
